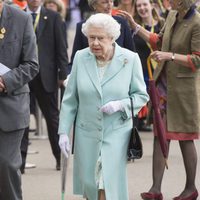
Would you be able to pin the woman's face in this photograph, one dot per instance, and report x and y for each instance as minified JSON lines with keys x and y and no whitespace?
{"x":103,"y":6}
{"x":52,"y":6}
{"x":99,"y":42}
{"x":166,"y":4}
{"x":144,"y":8}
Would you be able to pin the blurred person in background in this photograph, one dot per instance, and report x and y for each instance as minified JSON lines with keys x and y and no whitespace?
{"x":167,"y":7}
{"x":103,"y":78}
{"x":57,"y":6}
{"x":53,"y":61}
{"x":126,"y":5}
{"x":145,"y":15}
{"x":177,"y":50}
{"x":162,"y":7}
{"x":85,"y":9}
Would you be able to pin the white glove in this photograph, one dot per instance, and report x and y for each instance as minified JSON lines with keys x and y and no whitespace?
{"x":112,"y":107}
{"x":64,"y":144}
{"x":66,"y":81}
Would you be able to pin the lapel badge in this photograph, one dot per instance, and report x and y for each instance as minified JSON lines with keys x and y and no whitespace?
{"x":125,"y":61}
{"x":1,"y":36}
{"x":3,"y":30}
{"x":45,"y":17}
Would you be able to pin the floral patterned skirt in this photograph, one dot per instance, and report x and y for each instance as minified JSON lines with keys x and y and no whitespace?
{"x":99,"y":174}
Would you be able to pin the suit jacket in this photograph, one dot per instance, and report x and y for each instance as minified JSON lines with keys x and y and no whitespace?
{"x":18,"y":52}
{"x":97,"y":132}
{"x":125,"y":39}
{"x":52,"y":49}
{"x":183,"y":102}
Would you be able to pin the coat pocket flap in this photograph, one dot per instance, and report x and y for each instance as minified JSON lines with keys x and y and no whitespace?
{"x":186,"y":75}
{"x":24,"y":89}
{"x":121,"y":123}
{"x":89,"y":126}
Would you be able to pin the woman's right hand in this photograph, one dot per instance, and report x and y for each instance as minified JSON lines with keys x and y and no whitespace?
{"x":64,"y":144}
{"x":128,"y":17}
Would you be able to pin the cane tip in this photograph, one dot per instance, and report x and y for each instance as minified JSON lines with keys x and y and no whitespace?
{"x":63,"y":196}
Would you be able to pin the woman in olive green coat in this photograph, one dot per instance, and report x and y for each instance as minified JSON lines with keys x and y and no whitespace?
{"x":178,"y":80}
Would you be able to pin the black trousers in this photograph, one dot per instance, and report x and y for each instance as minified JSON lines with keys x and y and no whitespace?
{"x":48,"y":103}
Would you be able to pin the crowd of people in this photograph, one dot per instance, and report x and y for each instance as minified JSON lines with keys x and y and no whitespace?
{"x":107,"y":68}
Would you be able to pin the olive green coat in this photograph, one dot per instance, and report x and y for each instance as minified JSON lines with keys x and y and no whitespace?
{"x":183,"y":85}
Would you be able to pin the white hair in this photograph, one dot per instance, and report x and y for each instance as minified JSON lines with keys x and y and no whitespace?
{"x":104,"y":21}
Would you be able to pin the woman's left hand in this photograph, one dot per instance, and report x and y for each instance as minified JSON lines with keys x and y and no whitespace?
{"x":160,"y":56}
{"x":112,"y":107}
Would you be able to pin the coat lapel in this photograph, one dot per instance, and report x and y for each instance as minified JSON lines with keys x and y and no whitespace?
{"x":169,"y":31}
{"x":5,"y":24}
{"x":117,"y":63}
{"x":91,"y":68}
{"x":42,"y":22}
{"x":166,"y":41}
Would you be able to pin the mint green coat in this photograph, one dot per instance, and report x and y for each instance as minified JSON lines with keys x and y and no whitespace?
{"x":96,"y":132}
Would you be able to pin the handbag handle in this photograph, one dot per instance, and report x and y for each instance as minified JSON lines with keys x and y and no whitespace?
{"x":132,"y":111}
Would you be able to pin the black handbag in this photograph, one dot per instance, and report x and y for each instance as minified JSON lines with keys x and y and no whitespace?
{"x":135,"y":149}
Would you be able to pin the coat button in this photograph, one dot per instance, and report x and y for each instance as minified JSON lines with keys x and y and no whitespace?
{"x":99,"y":118}
{"x":100,"y":129}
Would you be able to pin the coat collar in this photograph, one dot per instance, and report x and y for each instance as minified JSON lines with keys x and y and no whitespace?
{"x":118,"y":62}
{"x":42,"y":21}
{"x":5,"y":23}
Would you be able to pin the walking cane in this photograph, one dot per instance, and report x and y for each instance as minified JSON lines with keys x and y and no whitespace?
{"x":64,"y":165}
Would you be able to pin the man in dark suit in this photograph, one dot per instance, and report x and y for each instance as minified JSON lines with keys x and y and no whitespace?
{"x":53,"y":60}
{"x":18,"y":65}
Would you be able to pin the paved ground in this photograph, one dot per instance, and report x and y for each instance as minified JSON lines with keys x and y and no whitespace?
{"x":44,"y":182}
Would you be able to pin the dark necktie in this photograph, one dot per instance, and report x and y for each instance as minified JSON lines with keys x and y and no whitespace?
{"x":34,"y":15}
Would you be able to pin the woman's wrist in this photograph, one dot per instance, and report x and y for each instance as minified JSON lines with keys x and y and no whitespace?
{"x":136,"y":28}
{"x":170,"y":56}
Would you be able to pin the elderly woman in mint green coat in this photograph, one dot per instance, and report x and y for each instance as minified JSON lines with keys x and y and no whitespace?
{"x":103,"y":78}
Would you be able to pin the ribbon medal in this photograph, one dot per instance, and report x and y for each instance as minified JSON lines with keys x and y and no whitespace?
{"x":2,"y":32}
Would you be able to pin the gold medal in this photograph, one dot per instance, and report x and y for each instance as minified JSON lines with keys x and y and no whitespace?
{"x":3,"y":30}
{"x":1,"y":36}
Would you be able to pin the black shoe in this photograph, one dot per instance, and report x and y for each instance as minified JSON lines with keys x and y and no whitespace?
{"x":58,"y":166}
{"x":22,"y":170}
{"x":32,"y":130}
